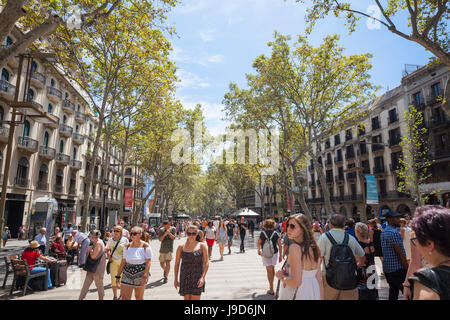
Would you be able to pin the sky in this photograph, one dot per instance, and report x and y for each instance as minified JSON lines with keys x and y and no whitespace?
{"x":217,"y":41}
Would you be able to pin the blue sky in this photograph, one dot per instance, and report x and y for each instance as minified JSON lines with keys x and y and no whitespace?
{"x":219,"y":39}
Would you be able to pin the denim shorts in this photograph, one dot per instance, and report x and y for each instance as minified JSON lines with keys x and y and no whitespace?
{"x":230,"y":238}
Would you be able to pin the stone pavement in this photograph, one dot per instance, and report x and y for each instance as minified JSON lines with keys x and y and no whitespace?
{"x":241,"y":276}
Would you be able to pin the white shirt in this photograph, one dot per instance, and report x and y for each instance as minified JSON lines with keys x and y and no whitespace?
{"x":210,"y":232}
{"x":41,"y":239}
{"x":137,"y":255}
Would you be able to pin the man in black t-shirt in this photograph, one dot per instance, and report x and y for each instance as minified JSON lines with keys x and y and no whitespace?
{"x":230,"y":233}
{"x":242,"y":227}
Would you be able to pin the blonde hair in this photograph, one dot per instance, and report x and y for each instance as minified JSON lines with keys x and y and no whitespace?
{"x":362,"y":229}
{"x":269,"y":224}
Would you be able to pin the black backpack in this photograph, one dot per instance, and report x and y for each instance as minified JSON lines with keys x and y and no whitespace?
{"x":341,"y":271}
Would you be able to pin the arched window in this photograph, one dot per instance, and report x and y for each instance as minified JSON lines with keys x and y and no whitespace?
{"x":30,"y":96}
{"x":67,"y":96}
{"x":52,"y":82}
{"x":64,"y":119}
{"x":43,"y":171}
{"x":77,"y":128}
{"x":61,"y":146}
{"x":50,"y":108}
{"x":79,"y":108}
{"x":5,"y":75}
{"x":22,"y":168}
{"x":74,"y":155}
{"x":59,"y":177}
{"x":46,"y":137}
{"x":26,"y":129}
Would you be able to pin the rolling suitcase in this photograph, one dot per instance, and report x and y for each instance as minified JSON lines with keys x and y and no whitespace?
{"x":62,"y":272}
{"x":54,"y":272}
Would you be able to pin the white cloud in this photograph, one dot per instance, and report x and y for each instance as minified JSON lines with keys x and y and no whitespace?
{"x":213,"y":59}
{"x":178,"y":55}
{"x":191,"y":80}
{"x":208,"y":35}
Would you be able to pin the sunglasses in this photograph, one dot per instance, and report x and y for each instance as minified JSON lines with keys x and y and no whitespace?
{"x":291,"y":226}
{"x":134,"y":233}
{"x":191,"y":233}
{"x":413,"y":240}
{"x":116,"y":230}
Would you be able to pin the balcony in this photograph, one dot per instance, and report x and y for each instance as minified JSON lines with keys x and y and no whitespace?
{"x":54,"y":95}
{"x":435,"y":123}
{"x":366,"y":170}
{"x":75,"y":164}
{"x":393,"y":195}
{"x":349,"y":156}
{"x":63,"y":159}
{"x":377,"y":148}
{"x":379,"y":170}
{"x":78,"y":138}
{"x":7,"y":90}
{"x":38,"y":80}
{"x":351,"y":176}
{"x":337,"y":160}
{"x":433,"y":99}
{"x":68,"y":106}
{"x":394,"y":141}
{"x":47,"y":152}
{"x":353,"y":197}
{"x":52,"y":125}
{"x":27,"y":144}
{"x":58,"y":189}
{"x":43,"y":186}
{"x":72,"y":190}
{"x":65,"y":130}
{"x":21,"y":182}
{"x":4,"y":134}
{"x":328,"y":163}
{"x":314,"y":200}
{"x":80,"y":117}
{"x":329,"y":179}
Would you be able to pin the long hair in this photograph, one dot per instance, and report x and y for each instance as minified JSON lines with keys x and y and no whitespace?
{"x":308,"y":238}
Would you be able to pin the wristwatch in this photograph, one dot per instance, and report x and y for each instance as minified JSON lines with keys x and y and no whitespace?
{"x":117,"y":277}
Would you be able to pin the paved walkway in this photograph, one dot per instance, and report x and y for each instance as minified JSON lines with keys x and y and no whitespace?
{"x":241,"y":276}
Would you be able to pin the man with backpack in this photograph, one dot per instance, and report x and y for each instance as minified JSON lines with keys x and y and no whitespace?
{"x":340,"y":253}
{"x":269,"y":240}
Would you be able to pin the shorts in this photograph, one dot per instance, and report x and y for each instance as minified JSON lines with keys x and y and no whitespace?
{"x":163,"y":257}
{"x":230,"y":238}
{"x":132,"y":274}
{"x":210,"y":242}
{"x":270,"y":261}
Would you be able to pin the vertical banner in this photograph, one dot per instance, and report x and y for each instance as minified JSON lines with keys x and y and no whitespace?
{"x":128,"y":199}
{"x":372,"y":190}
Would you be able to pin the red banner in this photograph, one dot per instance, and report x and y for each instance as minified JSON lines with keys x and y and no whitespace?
{"x":128,"y":199}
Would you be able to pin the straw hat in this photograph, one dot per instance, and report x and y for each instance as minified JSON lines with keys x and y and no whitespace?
{"x":34,"y":244}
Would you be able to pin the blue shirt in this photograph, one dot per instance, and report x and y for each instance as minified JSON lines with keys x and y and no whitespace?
{"x":41,"y":239}
{"x":351,"y":232}
{"x":389,"y":237}
{"x":384,"y":225}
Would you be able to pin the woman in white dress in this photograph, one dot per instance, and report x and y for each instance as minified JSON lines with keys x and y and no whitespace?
{"x":301,"y":276}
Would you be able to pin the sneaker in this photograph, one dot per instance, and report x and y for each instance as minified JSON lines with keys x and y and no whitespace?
{"x":165,"y":280}
{"x":229,"y":251}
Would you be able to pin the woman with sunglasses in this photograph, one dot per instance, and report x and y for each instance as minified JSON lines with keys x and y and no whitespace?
{"x":135,"y":266}
{"x":95,"y":251}
{"x":114,"y":250}
{"x":193,"y":255}
{"x":301,"y":276}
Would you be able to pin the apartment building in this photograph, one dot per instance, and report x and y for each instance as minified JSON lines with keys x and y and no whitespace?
{"x":374,"y":148}
{"x":50,"y":154}
{"x":134,"y":192}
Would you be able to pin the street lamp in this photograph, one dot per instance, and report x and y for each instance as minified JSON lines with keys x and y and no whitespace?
{"x":105,"y":186}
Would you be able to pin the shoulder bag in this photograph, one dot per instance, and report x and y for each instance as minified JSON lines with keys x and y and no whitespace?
{"x":108,"y":265}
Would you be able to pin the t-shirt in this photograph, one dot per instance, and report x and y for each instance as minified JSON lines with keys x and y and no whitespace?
{"x":210,"y":232}
{"x":284,"y":226}
{"x":351,"y":232}
{"x":274,"y":239}
{"x":325,"y":245}
{"x":118,"y":253}
{"x":5,"y":235}
{"x":230,"y":227}
{"x":241,"y":229}
{"x":137,"y":255}
{"x":389,"y":237}
{"x":30,"y":257}
{"x":167,"y":242}
{"x":58,"y":246}
{"x":41,"y":239}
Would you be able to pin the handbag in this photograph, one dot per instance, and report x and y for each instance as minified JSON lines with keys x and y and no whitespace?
{"x":108,"y":265}
{"x":92,"y":264}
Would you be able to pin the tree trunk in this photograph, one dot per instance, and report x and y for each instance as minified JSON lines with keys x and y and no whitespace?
{"x":323,"y":184}
{"x":122,"y":176}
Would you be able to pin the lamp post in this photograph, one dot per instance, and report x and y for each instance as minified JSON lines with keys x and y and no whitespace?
{"x":105,"y":186}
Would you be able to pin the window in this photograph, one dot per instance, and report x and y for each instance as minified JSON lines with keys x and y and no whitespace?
{"x":2,"y":114}
{"x":363,"y":147}
{"x":67,"y":96}
{"x":9,"y":41}
{"x":393,"y":116}
{"x":34,"y":67}
{"x":52,"y":82}
{"x":394,"y":137}
{"x":337,"y":140}
{"x":22,"y":168}
{"x":442,"y":141}
{"x":379,"y":164}
{"x":78,"y":108}
{"x":26,"y":129}
{"x":350,"y":152}
{"x":50,"y":108}
{"x":77,"y":129}
{"x":30,"y":96}
{"x":418,"y":98}
{"x":361,"y":130}
{"x":5,"y":76}
{"x":348,"y":135}
{"x":339,"y":155}
{"x":64,"y":119}
{"x":382,"y":184}
{"x":327,"y":144}
{"x":395,"y":160}
{"x":61,"y":146}
{"x":74,"y":154}
{"x":128,"y":172}
{"x":46,"y":137}
{"x":375,"y":123}
{"x":366,"y":166}
{"x":436,"y":89}
{"x":128,"y":182}
{"x":43,"y":171}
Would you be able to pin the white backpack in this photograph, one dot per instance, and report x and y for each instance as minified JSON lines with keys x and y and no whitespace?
{"x":268,"y":249}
